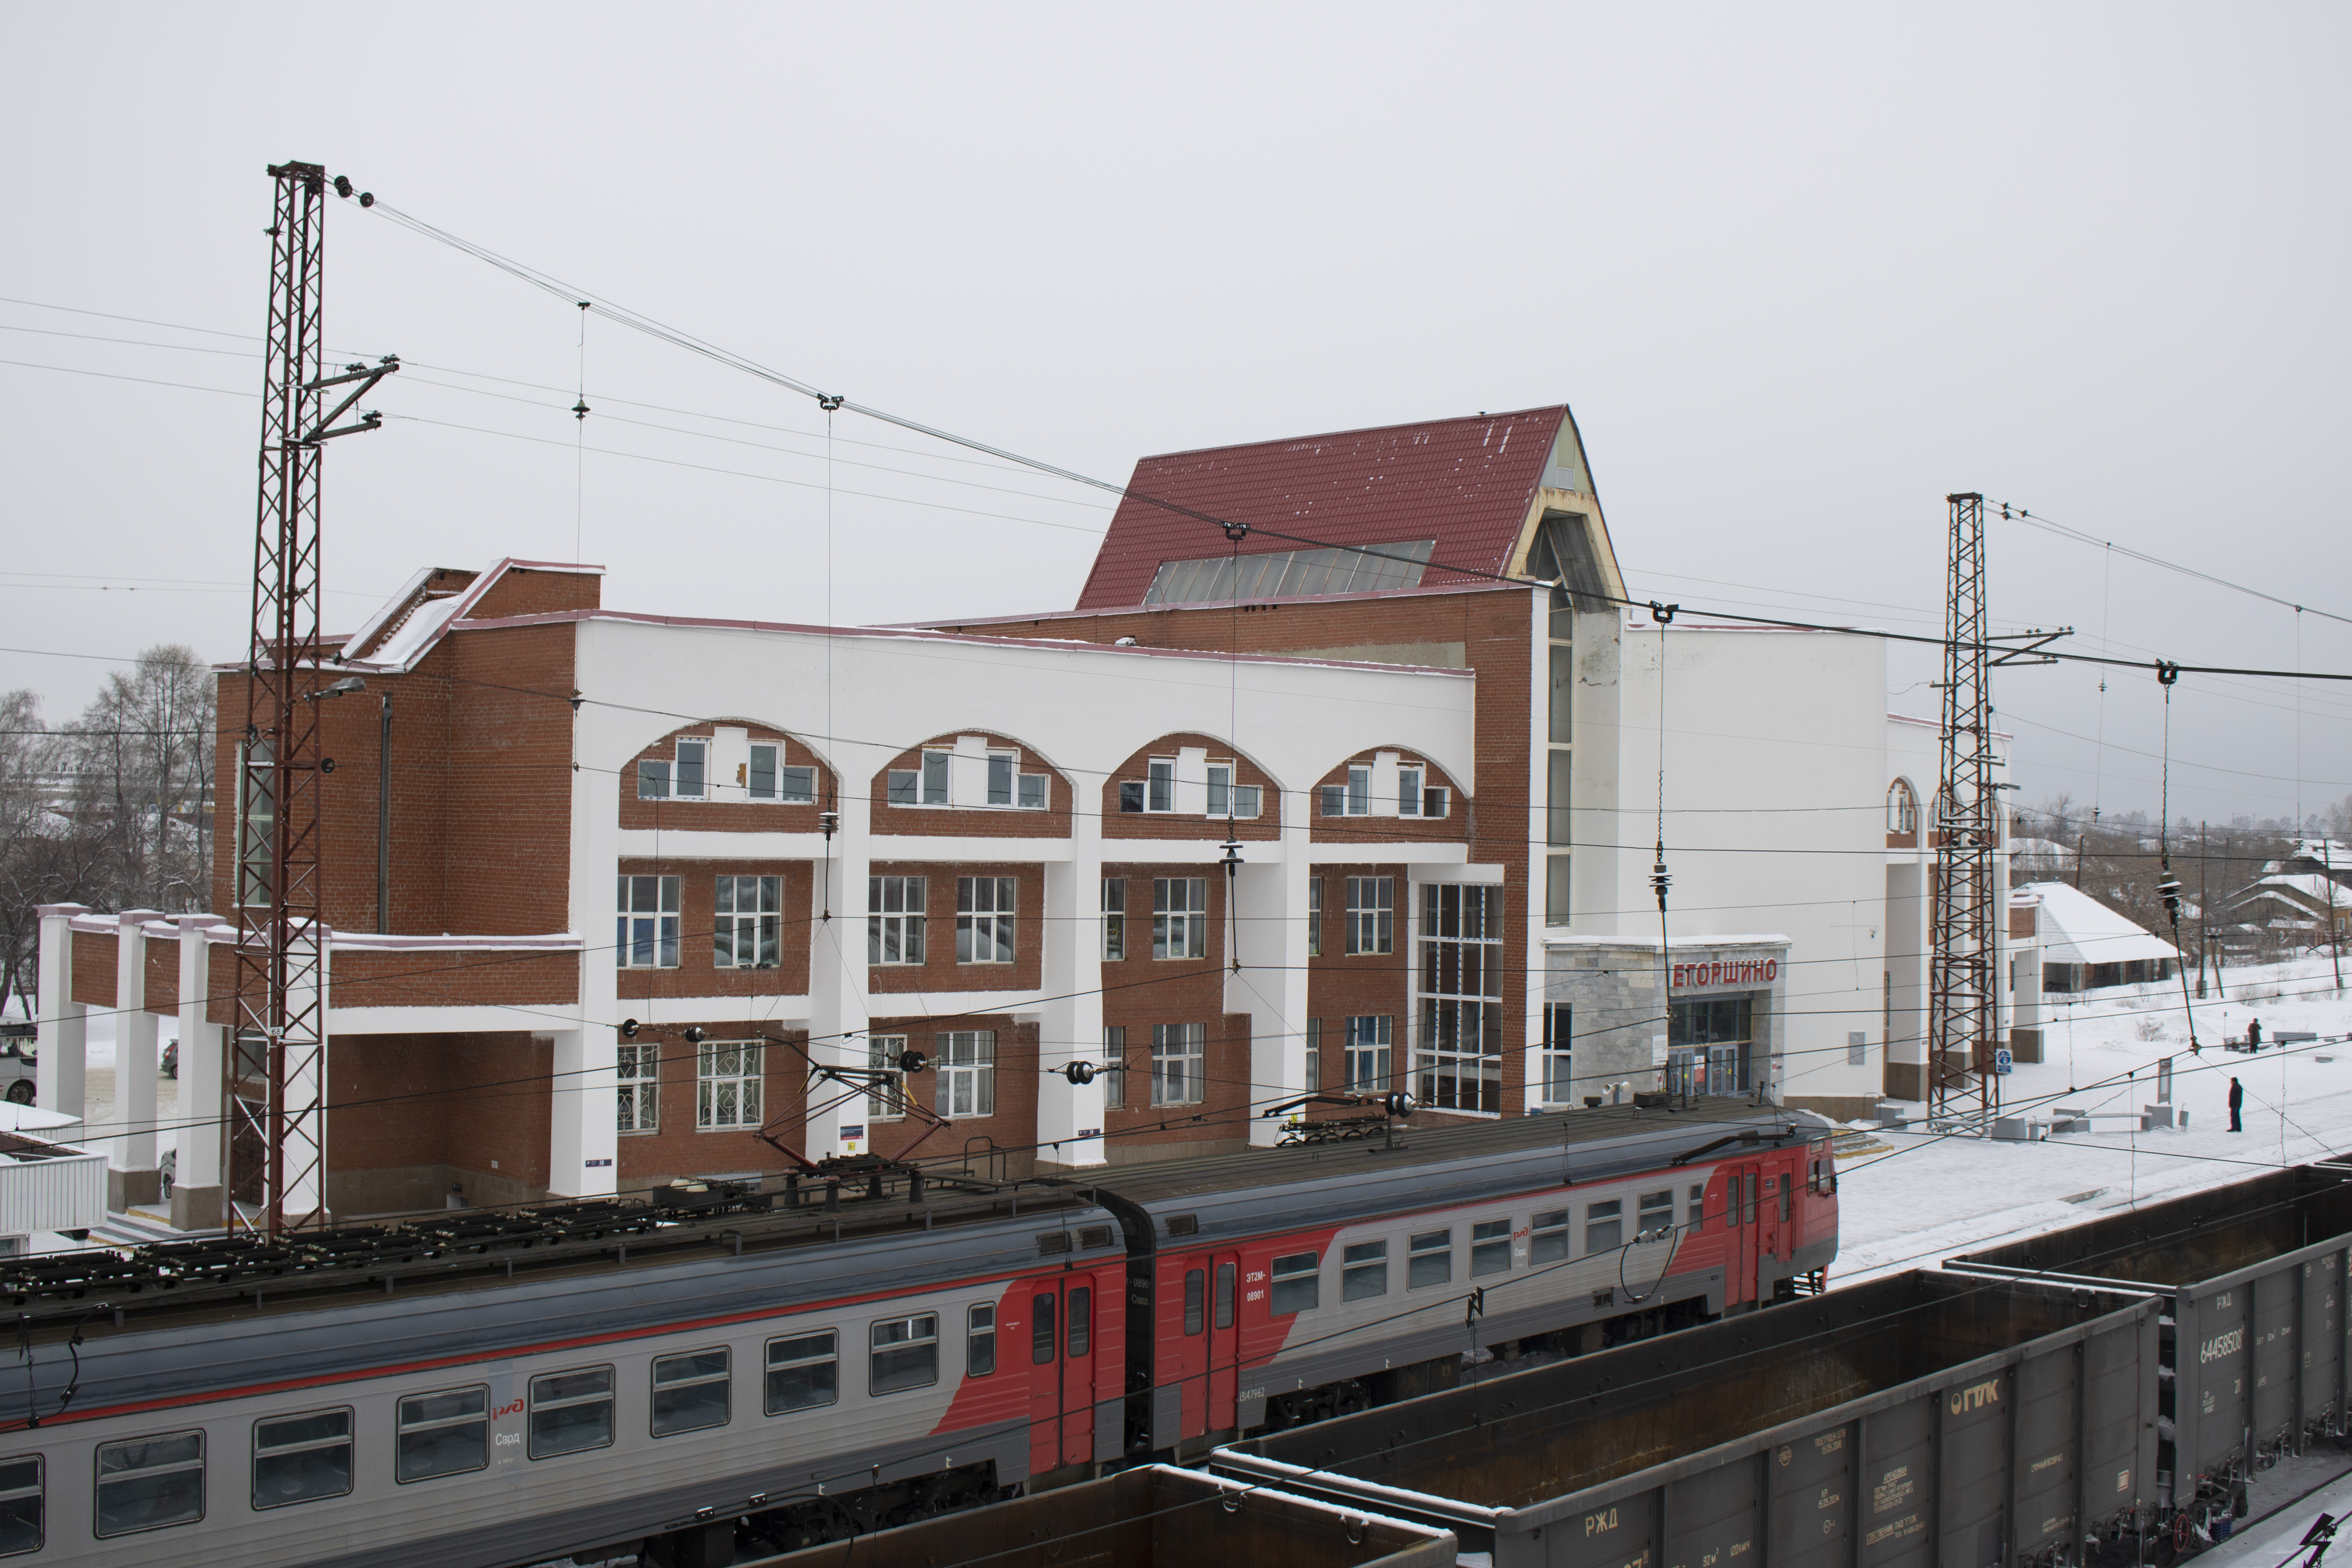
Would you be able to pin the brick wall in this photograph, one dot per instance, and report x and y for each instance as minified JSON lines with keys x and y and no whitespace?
{"x":1014,"y":1124}
{"x":680,"y":1146}
{"x":965,"y":822}
{"x":1266,"y":826}
{"x":429,"y":978}
{"x":940,"y":970}
{"x":698,"y":973}
{"x":530,"y":591}
{"x":94,"y":956}
{"x":410,"y":1114}
{"x":724,"y":816}
{"x":1340,"y":984}
{"x":1141,"y":990}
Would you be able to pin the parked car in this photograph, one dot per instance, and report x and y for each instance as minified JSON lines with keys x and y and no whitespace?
{"x":19,"y":1058}
{"x":172,"y":1061}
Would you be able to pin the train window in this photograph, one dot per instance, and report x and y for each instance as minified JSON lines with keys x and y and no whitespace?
{"x":1364,"y":1271}
{"x":1656,"y":1219}
{"x":1698,"y":1216}
{"x":1041,"y":1328}
{"x":692,"y":1391}
{"x":1297,"y":1284}
{"x":1748,"y":1207}
{"x":444,"y":1434}
{"x":1784,"y":1199}
{"x":571,"y":1411}
{"x":1549,"y":1240}
{"x":1430,"y":1260}
{"x":1490,"y":1247}
{"x":1082,"y":1319}
{"x":979,"y":1340}
{"x":146,"y":1483}
{"x":1225,"y":1298}
{"x":1196,"y":1299}
{"x":20,"y":1505}
{"x":1604,"y":1226}
{"x":904,"y":1353}
{"x":302,"y":1459}
{"x":804,"y":1372}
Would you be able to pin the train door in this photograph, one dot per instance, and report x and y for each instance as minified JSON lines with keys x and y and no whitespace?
{"x":1065,"y":1324}
{"x":1745,"y":1181}
{"x":1224,"y":1341}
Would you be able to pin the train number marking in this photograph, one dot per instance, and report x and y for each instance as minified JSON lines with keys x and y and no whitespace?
{"x":1976,"y":1396}
{"x":510,"y":1439}
{"x":1600,"y":1523}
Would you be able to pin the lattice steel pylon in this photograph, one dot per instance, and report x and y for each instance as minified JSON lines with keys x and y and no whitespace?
{"x":276,"y":1099}
{"x":1963,"y":1006}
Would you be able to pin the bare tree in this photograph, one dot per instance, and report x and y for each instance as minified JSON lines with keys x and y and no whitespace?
{"x":143,"y":762}
{"x":46,"y":855}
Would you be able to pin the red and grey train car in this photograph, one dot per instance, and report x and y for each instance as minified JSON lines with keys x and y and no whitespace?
{"x":490,"y":1390}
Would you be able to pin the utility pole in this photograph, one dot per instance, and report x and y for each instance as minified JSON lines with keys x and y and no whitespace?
{"x":1964,"y":974}
{"x":277,"y":1067}
{"x":2204,"y":913}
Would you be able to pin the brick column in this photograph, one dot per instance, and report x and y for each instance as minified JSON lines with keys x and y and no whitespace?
{"x":196,"y":1185}
{"x":132,"y":1176}
{"x":64,"y":1043}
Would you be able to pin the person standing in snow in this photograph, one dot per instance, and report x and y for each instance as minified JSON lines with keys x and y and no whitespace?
{"x":2237,"y":1103}
{"x":2254,"y":1035}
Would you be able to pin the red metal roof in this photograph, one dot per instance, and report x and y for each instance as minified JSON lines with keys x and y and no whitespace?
{"x":1467,"y":483}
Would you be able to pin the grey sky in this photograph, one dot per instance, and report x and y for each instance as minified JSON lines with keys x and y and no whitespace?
{"x":1799,"y":271}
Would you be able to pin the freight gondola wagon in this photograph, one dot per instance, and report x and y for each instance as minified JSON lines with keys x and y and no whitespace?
{"x":1925,"y":1419}
{"x":2251,"y":1276}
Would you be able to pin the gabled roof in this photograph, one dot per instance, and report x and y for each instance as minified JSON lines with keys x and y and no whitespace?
{"x":2076,"y":928}
{"x":1469,"y":484}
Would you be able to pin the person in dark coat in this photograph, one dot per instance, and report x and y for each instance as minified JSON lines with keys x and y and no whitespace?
{"x":2237,"y":1103}
{"x":2254,"y":1034}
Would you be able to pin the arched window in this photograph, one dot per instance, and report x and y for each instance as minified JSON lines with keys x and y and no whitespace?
{"x":1902,"y":808}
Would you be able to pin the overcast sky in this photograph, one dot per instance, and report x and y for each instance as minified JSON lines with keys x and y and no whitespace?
{"x":1800,"y":272}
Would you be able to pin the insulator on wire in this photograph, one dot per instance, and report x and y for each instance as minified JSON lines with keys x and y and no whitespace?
{"x":2169,"y":891}
{"x":1079,"y":1073}
{"x":1659,"y":879}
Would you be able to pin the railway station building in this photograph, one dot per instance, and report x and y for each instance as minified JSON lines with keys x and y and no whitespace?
{"x":1356,"y":796}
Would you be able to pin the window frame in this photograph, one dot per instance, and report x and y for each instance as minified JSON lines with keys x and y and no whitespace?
{"x":1487,"y":1239}
{"x":402,"y":1427}
{"x":979,"y":1326}
{"x":724,"y":1377}
{"x":1186,"y":1047}
{"x":1314,"y":917}
{"x":995,"y":928}
{"x":1457,"y":981}
{"x":749,"y":1081}
{"x":1551,"y":1236}
{"x":1371,"y":919}
{"x":700,"y":746}
{"x":1557,"y":1054}
{"x":1604,"y":1226}
{"x":1297,"y":1273}
{"x":1646,"y":1211}
{"x":99,"y":1481}
{"x":875,"y":1350}
{"x":1196,"y":1301}
{"x":908,"y":922}
{"x":976,"y":1071}
{"x":762,"y":927}
{"x":348,"y":1443}
{"x":1179,"y":925}
{"x":1371,"y":1041}
{"x":751,"y":771}
{"x":1113,"y":919}
{"x":1432,"y":1248}
{"x":1409,"y":789}
{"x":886,"y":1101}
{"x":636,"y":1106}
{"x":533,"y":1404}
{"x":1158,"y":787}
{"x":1114,"y":1066}
{"x":770,"y":1366}
{"x":656,"y":928}
{"x":1359,"y":1258}
{"x":38,"y":1492}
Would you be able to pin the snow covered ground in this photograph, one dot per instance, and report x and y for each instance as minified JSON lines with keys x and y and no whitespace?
{"x":1918,"y":1199}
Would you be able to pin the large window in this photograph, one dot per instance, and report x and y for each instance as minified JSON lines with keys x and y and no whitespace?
{"x":748,"y":922}
{"x":1180,"y":916}
{"x":147,"y":1483}
{"x":967,"y":1070}
{"x":894,"y":919}
{"x":1297,"y":1284}
{"x":1314,"y":1079}
{"x":1364,"y":1270}
{"x":979,"y":1340}
{"x":443,"y":1433}
{"x":639,"y":1099}
{"x":886,"y":1097}
{"x":647,"y":934}
{"x":688,"y":778}
{"x":1353,"y":799}
{"x":302,"y":1459}
{"x":1490,"y":1247}
{"x":1371,"y":914}
{"x":1707,"y":1044}
{"x":1291,"y":573}
{"x":690,"y":1391}
{"x":904,"y":1353}
{"x":1228,"y":798}
{"x":1549,"y":1237}
{"x":1114,"y":1061}
{"x":21,"y":1500}
{"x":985,"y":918}
{"x":1902,"y":809}
{"x":256,"y":823}
{"x":727,"y":1084}
{"x":1369,"y":1046}
{"x":1159,"y":784}
{"x":1179,"y":1053}
{"x":1431,"y":1260}
{"x":1604,"y":1226}
{"x":803,"y":1373}
{"x":1314,"y":917}
{"x":571,"y":1411}
{"x":1558,"y":1063}
{"x":767,"y":779}
{"x":1458,"y":1061}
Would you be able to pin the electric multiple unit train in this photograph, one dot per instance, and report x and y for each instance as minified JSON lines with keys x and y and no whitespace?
{"x":500,"y":1389}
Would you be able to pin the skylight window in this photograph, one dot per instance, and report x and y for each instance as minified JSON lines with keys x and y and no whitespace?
{"x":1291,"y":573}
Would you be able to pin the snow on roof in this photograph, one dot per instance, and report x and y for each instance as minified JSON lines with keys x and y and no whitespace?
{"x":2078,"y":929}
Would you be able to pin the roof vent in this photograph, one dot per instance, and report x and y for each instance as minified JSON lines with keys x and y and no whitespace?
{"x":1184,"y":1224}
{"x":1051,"y":1243}
{"x":1094,"y":1235}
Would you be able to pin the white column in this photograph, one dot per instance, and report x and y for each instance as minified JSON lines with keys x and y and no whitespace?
{"x":583,"y":1126}
{"x":1269,"y":918}
{"x":196,"y":1185}
{"x":1070,"y":1026}
{"x":64,"y":1043}
{"x":310,"y":948}
{"x":838,"y":1011}
{"x":132,"y":1150}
